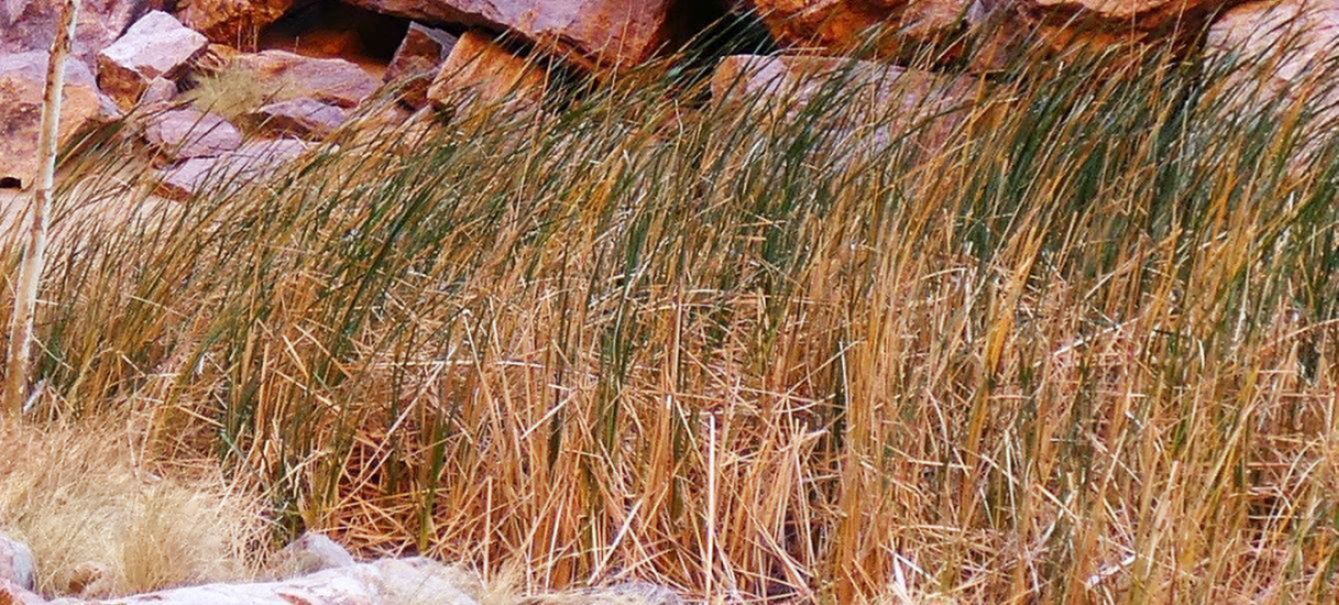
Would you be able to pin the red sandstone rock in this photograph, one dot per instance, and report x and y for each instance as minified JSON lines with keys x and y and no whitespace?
{"x":334,"y":81}
{"x":481,"y":70}
{"x":156,"y":46}
{"x":30,"y":25}
{"x":841,"y":25}
{"x":22,"y":82}
{"x":302,"y":118}
{"x":417,"y":60}
{"x":183,"y":134}
{"x":234,"y":22}
{"x":605,"y":32}
{"x":1103,"y":22}
{"x":230,"y":171}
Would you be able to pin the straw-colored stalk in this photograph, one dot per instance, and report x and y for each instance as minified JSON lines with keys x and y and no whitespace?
{"x":34,"y":257}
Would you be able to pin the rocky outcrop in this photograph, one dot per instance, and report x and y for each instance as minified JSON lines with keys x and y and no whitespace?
{"x":22,"y":82}
{"x":417,"y":60}
{"x":1281,"y":50}
{"x":30,"y":25}
{"x":310,"y":553}
{"x":183,"y":134}
{"x":302,"y":118}
{"x":253,"y":161}
{"x":156,"y":46}
{"x":1103,"y":22}
{"x":234,"y":22}
{"x":601,"y":32}
{"x":844,"y":25}
{"x":880,"y":105}
{"x":334,"y":81}
{"x":481,"y":70}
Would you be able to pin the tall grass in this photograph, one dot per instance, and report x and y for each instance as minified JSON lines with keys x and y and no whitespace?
{"x":1084,"y":350}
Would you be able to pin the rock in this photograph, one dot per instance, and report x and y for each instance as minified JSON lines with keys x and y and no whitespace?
{"x":158,"y":92}
{"x":229,"y":171}
{"x":22,"y":83}
{"x":881,"y":103}
{"x":481,"y":70}
{"x":1105,"y":22}
{"x":156,"y":46}
{"x":310,"y":553}
{"x":183,"y":134}
{"x":16,"y":563}
{"x":610,"y":33}
{"x":642,"y":593}
{"x":302,"y":118}
{"x":30,"y":25}
{"x":417,"y":60}
{"x":388,"y":581}
{"x":13,"y":594}
{"x":1288,"y":49}
{"x":234,"y":22}
{"x":845,"y":25}
{"x":334,"y":81}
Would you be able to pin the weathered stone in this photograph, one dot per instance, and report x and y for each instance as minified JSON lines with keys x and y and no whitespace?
{"x":880,"y":103}
{"x":481,"y":70}
{"x":310,"y":553}
{"x":159,"y":91}
{"x":13,"y":594}
{"x":642,"y":593}
{"x":183,"y":134}
{"x":229,"y":171}
{"x":234,"y":22}
{"x":1286,"y":50}
{"x":844,"y":25}
{"x":604,"y":32}
{"x":156,"y":46}
{"x":16,"y":562}
{"x":30,"y":25}
{"x":1105,"y":22}
{"x":418,"y":59}
{"x":334,"y":81}
{"x":302,"y":118}
{"x":22,"y":82}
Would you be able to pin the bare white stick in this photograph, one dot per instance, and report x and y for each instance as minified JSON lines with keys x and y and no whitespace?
{"x":34,"y":254}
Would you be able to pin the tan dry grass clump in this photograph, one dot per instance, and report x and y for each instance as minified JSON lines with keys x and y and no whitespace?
{"x":101,"y":521}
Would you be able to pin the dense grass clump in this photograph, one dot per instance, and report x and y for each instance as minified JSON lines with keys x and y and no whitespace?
{"x":1083,"y":348}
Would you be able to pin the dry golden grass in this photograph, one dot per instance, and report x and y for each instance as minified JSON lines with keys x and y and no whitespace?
{"x":102,"y":520}
{"x":1087,"y":352}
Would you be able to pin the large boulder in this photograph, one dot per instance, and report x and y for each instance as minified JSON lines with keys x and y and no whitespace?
{"x":843,"y":25}
{"x":1281,"y":50}
{"x":230,"y":171}
{"x":156,"y":46}
{"x":302,"y":118}
{"x":234,"y":22}
{"x":602,"y":32}
{"x":481,"y":70}
{"x":182,"y":134}
{"x":417,"y":60}
{"x":30,"y":25}
{"x":334,"y":81}
{"x":22,"y":84}
{"x":1104,"y":22}
{"x":880,"y":106}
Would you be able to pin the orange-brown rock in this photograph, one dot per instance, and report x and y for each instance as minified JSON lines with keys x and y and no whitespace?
{"x":302,"y":118}
{"x":888,"y":26}
{"x":235,"y":22}
{"x":417,"y":60}
{"x":1281,"y":50}
{"x":156,"y":46}
{"x":881,"y":104}
{"x":22,"y":82}
{"x":334,"y":81}
{"x":481,"y":70}
{"x":30,"y":25}
{"x":605,"y":32}
{"x":1103,"y":22}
